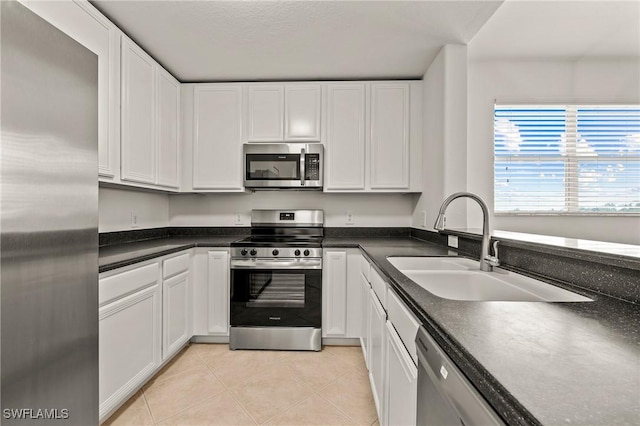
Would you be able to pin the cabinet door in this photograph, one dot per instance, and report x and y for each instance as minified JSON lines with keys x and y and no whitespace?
{"x":266,"y":108}
{"x":129,"y":345}
{"x":218,"y":293}
{"x":334,"y":293}
{"x":389,"y":136}
{"x":377,"y":320}
{"x":401,"y":378}
{"x":83,"y":23}
{"x":217,"y":149}
{"x":302,"y":112}
{"x":138,"y":114}
{"x":176,"y":315}
{"x":365,"y":289}
{"x":345,"y":139}
{"x":168,"y":129}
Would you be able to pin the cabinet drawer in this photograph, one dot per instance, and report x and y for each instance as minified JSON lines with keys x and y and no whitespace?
{"x":404,"y":322}
{"x":175,"y":265}
{"x":379,"y":287}
{"x":365,"y":267}
{"x":116,"y":286}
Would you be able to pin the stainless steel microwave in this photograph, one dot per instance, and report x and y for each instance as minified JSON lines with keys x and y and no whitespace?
{"x":283,"y":166}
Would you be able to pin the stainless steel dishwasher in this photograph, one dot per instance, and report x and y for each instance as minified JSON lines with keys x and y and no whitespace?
{"x":445,"y":396}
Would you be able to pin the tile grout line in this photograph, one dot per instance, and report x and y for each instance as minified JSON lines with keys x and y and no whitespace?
{"x":227,"y":389}
{"x":146,"y":404}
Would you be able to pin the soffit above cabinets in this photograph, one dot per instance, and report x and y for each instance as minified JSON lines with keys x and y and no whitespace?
{"x":199,"y":41}
{"x":560,"y":30}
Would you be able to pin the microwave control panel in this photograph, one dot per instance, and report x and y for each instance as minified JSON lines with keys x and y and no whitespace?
{"x":312,"y":166}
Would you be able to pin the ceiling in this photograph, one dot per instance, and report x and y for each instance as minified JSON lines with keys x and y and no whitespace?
{"x":560,"y":29}
{"x":201,"y":41}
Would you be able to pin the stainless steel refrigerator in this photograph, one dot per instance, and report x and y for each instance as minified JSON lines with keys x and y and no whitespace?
{"x":48,"y":225}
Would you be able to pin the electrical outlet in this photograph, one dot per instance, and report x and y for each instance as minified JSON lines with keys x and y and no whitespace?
{"x":453,"y":241}
{"x":423,"y":218}
{"x":238,"y":217}
{"x":349,"y":220}
{"x":134,"y":219}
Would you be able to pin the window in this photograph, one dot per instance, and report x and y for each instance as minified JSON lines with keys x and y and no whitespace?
{"x":567,"y":159}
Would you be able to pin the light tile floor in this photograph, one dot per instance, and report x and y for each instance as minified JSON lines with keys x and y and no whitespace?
{"x":207,"y":384}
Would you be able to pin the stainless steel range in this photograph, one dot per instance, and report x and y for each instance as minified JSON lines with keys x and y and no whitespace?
{"x":276,"y":282}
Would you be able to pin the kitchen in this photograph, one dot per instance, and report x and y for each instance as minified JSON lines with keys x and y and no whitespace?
{"x":186,"y":90}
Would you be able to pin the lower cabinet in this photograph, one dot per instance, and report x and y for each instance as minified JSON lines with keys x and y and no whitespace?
{"x":365,"y":289}
{"x":210,"y":313}
{"x":377,"y":340}
{"x":401,"y":378}
{"x":130,"y":331}
{"x":176,"y":315}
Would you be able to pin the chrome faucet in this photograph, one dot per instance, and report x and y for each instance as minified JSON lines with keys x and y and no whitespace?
{"x":487,"y":262}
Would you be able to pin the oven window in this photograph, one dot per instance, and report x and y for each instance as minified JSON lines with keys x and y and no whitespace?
{"x":276,"y":290}
{"x":273,"y":166}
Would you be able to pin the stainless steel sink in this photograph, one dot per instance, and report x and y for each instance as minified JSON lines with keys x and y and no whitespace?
{"x":461,"y":279}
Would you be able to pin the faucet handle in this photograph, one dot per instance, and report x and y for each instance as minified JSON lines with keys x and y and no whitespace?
{"x":493,"y":260}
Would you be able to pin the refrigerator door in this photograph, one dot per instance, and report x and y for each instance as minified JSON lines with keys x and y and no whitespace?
{"x":49,"y":224}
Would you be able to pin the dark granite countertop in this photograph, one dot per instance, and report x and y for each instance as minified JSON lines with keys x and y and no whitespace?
{"x":534,"y":362}
{"x":119,"y":255}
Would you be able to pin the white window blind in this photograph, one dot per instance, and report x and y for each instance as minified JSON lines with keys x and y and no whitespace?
{"x":567,"y":159}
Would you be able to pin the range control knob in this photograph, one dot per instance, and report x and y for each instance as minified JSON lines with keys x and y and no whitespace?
{"x":297,"y":252}
{"x":253,"y":252}
{"x":275,"y":252}
{"x":243,"y":252}
{"x":306,"y":252}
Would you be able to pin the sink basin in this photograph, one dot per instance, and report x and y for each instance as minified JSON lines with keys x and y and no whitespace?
{"x":433,"y":263}
{"x":461,"y":279}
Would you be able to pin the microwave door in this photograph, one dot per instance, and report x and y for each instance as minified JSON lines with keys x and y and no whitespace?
{"x":276,"y":170}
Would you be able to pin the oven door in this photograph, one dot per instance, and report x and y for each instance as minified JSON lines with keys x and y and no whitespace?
{"x":276,"y":293}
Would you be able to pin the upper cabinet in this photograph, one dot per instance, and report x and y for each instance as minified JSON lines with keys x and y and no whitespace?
{"x":266,"y":113}
{"x":374,"y":137}
{"x":345,"y":137}
{"x":389,"y":153}
{"x":302,"y":112}
{"x":82,"y":22}
{"x":150,"y":120}
{"x":139,"y":93}
{"x":217,"y":136}
{"x":168,"y":117}
{"x":284,"y":112}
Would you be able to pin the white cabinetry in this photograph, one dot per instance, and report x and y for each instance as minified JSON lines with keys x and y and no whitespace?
{"x":345,"y":137}
{"x":302,"y":112}
{"x":150,"y":116}
{"x":130,"y":323}
{"x":279,"y":112}
{"x":401,"y":380}
{"x":82,"y":22}
{"x":266,"y":113}
{"x":217,"y":137}
{"x":218,"y":285}
{"x":373,"y":136}
{"x":341,"y":293}
{"x":211,"y":295}
{"x":334,"y":293}
{"x":168,"y":130}
{"x":377,"y":340}
{"x":138,"y":114}
{"x":389,"y":136}
{"x":176,"y":306}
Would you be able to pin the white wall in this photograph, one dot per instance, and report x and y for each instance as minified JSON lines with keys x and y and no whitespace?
{"x":444,"y":136}
{"x":369,"y":210}
{"x":588,"y":80}
{"x":117,"y":205}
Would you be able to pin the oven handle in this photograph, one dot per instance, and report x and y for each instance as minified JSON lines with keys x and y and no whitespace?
{"x":302,"y":165}
{"x":276,"y":263}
